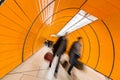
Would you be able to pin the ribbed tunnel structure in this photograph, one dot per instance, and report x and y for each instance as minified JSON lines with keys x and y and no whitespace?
{"x":26,"y":24}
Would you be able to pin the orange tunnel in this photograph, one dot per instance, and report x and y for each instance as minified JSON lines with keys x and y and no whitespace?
{"x":26,"y":24}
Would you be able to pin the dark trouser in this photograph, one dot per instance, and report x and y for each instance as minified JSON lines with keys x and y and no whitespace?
{"x":57,"y":66}
{"x":73,"y":62}
{"x":77,"y":64}
{"x":52,"y":60}
{"x":70,"y":68}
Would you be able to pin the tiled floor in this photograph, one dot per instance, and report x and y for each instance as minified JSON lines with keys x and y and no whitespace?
{"x":36,"y":68}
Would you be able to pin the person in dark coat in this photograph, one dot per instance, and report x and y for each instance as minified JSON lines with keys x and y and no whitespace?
{"x":61,"y":49}
{"x":58,"y":49}
{"x":55,"y":47}
{"x":74,"y":54}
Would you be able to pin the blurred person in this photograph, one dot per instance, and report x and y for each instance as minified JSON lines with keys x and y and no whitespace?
{"x":55,"y":47}
{"x":74,"y":54}
{"x":59,"y":50}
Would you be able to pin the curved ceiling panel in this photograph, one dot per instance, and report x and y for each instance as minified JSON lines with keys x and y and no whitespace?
{"x":100,"y":8}
{"x":104,"y":49}
{"x":113,"y":24}
{"x":94,"y":49}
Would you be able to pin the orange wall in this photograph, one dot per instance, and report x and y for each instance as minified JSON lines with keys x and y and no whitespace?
{"x":23,"y":32}
{"x":103,"y":35}
{"x":101,"y":46}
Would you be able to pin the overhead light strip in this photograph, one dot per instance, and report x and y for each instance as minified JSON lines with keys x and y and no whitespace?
{"x":73,"y":21}
{"x":81,"y":19}
{"x":48,"y":11}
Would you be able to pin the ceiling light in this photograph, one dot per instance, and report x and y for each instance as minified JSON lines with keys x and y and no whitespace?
{"x":81,"y":19}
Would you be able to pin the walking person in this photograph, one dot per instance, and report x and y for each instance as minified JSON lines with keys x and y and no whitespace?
{"x":74,"y":54}
{"x":58,"y":49}
{"x":55,"y":47}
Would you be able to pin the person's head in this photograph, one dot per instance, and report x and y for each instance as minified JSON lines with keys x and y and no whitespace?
{"x":79,"y":38}
{"x":66,"y":34}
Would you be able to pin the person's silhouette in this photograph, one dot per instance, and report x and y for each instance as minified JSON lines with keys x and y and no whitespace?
{"x":74,"y":54}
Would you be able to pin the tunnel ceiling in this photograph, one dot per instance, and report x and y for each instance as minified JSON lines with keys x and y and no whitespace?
{"x":26,"y":24}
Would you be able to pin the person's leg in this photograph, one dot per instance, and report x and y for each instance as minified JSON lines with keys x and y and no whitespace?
{"x":57,"y":66}
{"x":52,"y":60}
{"x":70,"y":68}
